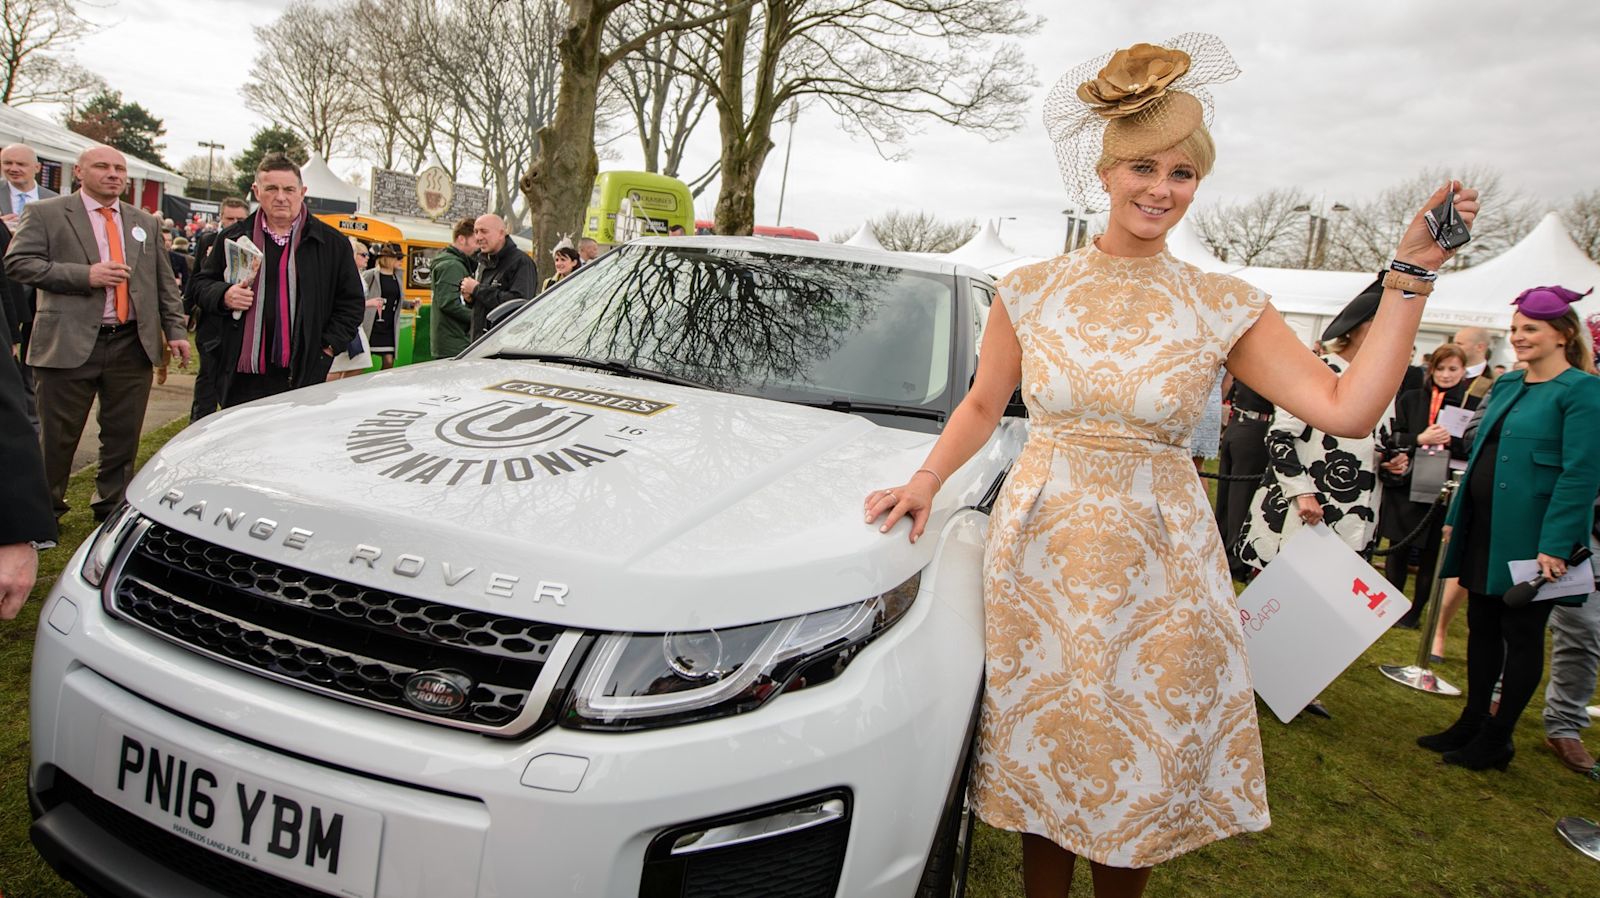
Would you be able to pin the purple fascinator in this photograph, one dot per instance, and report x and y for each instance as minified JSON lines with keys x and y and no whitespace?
{"x":1546,"y":303}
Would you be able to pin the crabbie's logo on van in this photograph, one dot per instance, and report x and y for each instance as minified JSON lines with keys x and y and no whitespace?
{"x":539,"y":431}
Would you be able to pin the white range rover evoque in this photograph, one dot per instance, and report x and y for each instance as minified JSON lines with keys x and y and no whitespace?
{"x":589,"y":611}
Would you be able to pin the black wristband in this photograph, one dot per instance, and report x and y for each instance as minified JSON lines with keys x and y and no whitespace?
{"x":1415,"y":271}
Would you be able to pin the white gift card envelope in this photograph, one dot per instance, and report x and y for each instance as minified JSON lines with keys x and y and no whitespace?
{"x":1579,"y":580}
{"x":1454,"y":419}
{"x":1310,"y":615}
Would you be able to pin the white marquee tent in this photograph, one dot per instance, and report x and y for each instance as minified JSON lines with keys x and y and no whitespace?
{"x":865,"y":237}
{"x":1479,"y":296}
{"x":321,"y":183}
{"x":60,"y":146}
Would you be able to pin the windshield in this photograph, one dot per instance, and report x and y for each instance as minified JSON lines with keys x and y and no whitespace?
{"x":774,"y":325}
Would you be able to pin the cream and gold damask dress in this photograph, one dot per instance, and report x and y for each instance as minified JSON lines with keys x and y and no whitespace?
{"x":1118,"y":720}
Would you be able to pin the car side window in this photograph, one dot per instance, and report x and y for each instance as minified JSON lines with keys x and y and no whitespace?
{"x":982,"y":297}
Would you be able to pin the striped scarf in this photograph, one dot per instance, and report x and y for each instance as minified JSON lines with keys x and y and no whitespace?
{"x":256,"y":353}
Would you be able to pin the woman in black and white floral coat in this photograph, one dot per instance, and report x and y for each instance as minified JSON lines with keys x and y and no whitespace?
{"x":1315,"y":477}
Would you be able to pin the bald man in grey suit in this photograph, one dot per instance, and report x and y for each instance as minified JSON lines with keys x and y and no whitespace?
{"x":108,"y":305}
{"x":20,"y":166}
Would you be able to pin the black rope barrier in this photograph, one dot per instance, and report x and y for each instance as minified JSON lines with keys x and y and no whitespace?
{"x":1404,"y":542}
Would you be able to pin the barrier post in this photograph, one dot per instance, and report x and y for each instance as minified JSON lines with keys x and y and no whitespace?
{"x":1420,"y":676}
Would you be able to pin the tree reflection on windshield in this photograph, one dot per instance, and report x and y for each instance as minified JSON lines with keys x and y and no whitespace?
{"x":761,"y":323}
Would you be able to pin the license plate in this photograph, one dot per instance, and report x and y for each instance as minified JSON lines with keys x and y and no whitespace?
{"x":289,"y":832}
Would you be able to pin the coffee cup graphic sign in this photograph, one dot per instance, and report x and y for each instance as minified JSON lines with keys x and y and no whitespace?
{"x":435,"y":190}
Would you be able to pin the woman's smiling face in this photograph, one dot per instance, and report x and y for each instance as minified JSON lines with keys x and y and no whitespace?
{"x":1533,"y":339}
{"x":1150,"y":195}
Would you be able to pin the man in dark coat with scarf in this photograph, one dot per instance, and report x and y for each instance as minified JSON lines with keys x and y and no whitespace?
{"x":280,"y":329}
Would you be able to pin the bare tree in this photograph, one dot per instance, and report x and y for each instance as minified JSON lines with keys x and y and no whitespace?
{"x":665,"y":104}
{"x":916,"y":232}
{"x":302,"y":75}
{"x":1364,"y":238}
{"x":881,"y":66}
{"x":220,"y":171}
{"x":490,"y":72}
{"x":1269,"y":229}
{"x":31,"y":33}
{"x":558,"y":181}
{"x":400,"y":110}
{"x":1582,"y":218}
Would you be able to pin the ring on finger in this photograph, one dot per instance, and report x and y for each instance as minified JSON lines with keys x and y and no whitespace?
{"x":891,"y":495}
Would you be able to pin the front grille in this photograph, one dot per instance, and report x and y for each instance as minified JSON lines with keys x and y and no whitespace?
{"x":221,"y":874}
{"x":331,"y":636}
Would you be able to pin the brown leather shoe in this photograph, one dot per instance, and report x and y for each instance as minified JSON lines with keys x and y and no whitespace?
{"x":1572,"y":754}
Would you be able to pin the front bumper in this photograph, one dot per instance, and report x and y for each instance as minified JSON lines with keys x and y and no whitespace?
{"x":564,"y":813}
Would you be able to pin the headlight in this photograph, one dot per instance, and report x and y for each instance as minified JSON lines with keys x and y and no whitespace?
{"x":104,"y":547}
{"x":639,"y":680}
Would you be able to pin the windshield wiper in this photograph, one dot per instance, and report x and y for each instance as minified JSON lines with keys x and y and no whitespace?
{"x":615,"y":366}
{"x":873,"y":408}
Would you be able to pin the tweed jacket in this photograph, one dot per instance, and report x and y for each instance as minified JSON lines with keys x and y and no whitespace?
{"x":52,"y":250}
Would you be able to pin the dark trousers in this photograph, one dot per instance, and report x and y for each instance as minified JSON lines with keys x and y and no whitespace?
{"x":1506,"y":644}
{"x":119,"y":374}
{"x":244,"y":388}
{"x":1397,"y":563}
{"x":30,"y":399}
{"x":206,"y":398}
{"x":1243,"y":451}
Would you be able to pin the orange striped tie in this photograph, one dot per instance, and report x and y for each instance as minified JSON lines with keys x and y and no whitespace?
{"x":114,"y":240}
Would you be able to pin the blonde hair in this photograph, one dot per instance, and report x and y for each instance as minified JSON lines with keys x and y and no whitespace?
{"x":1198,"y":147}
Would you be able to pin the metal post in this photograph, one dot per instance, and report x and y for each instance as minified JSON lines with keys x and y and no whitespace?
{"x":211,"y":147}
{"x":783,"y":186}
{"x":1420,"y":676}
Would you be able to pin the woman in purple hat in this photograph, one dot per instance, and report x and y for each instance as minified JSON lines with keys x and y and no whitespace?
{"x":1529,"y":494}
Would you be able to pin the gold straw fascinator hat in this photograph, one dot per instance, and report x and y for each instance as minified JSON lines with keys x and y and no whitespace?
{"x":1132,"y":103}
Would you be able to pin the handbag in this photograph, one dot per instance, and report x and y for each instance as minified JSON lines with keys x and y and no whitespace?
{"x":1430,"y":468}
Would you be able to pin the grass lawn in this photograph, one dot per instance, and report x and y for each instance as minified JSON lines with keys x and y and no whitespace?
{"x":1358,"y":810}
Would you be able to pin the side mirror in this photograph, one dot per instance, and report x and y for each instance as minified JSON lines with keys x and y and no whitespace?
{"x":502,"y":312}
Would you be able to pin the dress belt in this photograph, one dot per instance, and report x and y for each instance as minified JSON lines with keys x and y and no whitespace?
{"x":111,"y":330}
{"x":1105,"y":442}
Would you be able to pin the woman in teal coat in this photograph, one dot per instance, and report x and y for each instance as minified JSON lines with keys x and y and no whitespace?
{"x":1529,"y":493}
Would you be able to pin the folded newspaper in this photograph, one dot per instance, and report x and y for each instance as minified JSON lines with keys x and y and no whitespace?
{"x":243,"y":260}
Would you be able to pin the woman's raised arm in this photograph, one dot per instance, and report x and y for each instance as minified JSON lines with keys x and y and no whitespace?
{"x":1273,"y":361}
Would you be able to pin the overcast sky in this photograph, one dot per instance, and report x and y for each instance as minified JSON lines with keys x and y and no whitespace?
{"x":1339,"y":99}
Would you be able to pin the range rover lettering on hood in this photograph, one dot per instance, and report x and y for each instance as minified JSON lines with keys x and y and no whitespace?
{"x":455,"y":440}
{"x":409,"y":565}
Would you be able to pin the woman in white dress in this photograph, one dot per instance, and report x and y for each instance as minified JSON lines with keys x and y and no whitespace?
{"x":1118,"y":717}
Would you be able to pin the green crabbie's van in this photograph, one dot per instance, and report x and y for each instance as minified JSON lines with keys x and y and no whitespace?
{"x":629,"y":204}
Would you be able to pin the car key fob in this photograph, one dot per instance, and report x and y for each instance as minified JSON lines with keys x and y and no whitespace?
{"x":1445,"y":224}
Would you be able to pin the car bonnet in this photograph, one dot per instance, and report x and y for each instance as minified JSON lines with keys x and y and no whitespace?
{"x":553,"y":493}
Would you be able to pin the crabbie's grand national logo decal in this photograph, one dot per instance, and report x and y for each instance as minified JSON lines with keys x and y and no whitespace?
{"x":539,"y":431}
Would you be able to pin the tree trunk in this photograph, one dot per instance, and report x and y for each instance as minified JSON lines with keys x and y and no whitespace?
{"x":746,"y":134}
{"x":558,"y":183}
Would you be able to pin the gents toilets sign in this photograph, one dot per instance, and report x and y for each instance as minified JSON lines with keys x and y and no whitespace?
{"x":1310,"y":615}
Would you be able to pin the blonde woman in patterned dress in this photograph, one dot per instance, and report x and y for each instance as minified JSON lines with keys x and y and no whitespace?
{"x":1118,"y":718}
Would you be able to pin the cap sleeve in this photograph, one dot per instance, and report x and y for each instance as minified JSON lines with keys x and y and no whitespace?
{"x":1235,"y":307}
{"x":1020,"y":290}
